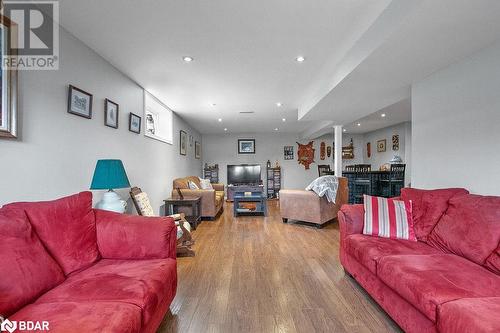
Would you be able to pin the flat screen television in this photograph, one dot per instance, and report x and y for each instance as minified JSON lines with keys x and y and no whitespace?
{"x":243,"y":174}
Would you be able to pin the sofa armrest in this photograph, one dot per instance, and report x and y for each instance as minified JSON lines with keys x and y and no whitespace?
{"x":351,"y":220}
{"x":121,"y":236}
{"x":218,"y":187}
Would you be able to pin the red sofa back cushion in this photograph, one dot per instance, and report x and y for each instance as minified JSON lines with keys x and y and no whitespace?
{"x":470,"y":227}
{"x":67,"y":229}
{"x":27,"y":269}
{"x":493,"y":261}
{"x":428,"y":207}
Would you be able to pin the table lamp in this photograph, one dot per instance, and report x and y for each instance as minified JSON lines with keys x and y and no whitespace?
{"x":108,"y":175}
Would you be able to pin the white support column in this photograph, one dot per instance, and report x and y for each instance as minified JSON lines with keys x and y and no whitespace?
{"x":337,"y":156}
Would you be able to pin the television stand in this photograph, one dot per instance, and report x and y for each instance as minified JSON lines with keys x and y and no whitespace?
{"x":232,"y":189}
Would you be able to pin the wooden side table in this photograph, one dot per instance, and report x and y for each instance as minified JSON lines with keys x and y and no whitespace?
{"x":172,"y":207}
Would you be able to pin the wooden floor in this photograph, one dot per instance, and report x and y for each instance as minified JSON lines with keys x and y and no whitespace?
{"x":255,"y":274}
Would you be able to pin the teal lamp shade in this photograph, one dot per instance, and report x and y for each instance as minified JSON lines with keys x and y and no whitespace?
{"x":109,"y":174}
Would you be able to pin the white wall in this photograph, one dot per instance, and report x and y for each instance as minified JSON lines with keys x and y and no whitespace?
{"x":57,"y":151}
{"x":456,"y":125}
{"x":222,"y":149}
{"x":378,"y":159}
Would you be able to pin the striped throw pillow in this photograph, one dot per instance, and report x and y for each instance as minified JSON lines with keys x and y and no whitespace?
{"x":389,"y":218}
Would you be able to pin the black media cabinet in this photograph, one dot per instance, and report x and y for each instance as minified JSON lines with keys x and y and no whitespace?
{"x":232,"y":189}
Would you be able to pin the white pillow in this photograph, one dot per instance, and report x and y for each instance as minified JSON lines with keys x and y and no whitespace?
{"x":144,"y":204}
{"x":205,"y":184}
{"x":192,"y":186}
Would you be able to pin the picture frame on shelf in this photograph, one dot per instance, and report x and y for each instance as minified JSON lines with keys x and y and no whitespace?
{"x":134,"y":123}
{"x":111,"y":113}
{"x":79,"y":102}
{"x":246,"y":146}
{"x":197,"y":150}
{"x":183,"y":143}
{"x":8,"y":106}
{"x":381,"y":146}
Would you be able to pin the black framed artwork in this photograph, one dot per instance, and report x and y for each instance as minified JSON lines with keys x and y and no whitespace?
{"x":246,"y":146}
{"x":79,"y":102}
{"x":183,"y":143}
{"x":134,"y":123}
{"x":111,"y":112}
{"x":197,"y":150}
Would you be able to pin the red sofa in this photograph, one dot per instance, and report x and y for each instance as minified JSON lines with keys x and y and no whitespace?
{"x":447,"y":281}
{"x":85,"y":270}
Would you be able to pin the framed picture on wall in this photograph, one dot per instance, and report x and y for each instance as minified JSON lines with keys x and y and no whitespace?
{"x":246,"y":146}
{"x":8,"y":104}
{"x":79,"y":102}
{"x":197,"y":150}
{"x":395,"y":142}
{"x":183,"y":143}
{"x":288,"y":153}
{"x":381,"y":145}
{"x":111,"y":110}
{"x":134,"y":123}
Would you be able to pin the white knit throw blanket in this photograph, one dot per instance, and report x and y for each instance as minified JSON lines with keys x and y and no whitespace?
{"x":325,"y":185}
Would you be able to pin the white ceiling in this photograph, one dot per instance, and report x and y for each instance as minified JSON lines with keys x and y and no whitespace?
{"x":409,"y":41}
{"x":396,"y":113}
{"x":244,"y":52}
{"x":361,"y":55}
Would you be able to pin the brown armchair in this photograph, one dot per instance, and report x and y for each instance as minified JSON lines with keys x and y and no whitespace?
{"x":212,"y":201}
{"x":307,"y":206}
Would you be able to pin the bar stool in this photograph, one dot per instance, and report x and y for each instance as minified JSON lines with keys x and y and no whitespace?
{"x":392,"y":186}
{"x":350,"y":168}
{"x":323,"y":169}
{"x":362,"y":181}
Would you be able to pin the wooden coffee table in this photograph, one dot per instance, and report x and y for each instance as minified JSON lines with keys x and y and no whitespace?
{"x":172,"y":207}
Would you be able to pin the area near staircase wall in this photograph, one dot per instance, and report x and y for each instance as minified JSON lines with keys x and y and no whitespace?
{"x":57,"y":152}
{"x":456,"y":125}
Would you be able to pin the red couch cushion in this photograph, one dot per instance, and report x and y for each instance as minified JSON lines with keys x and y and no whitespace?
{"x":427,"y":281}
{"x":470,"y":315}
{"x":470,"y":227}
{"x":86,"y":317}
{"x":428,"y":206}
{"x":141,"y":282}
{"x":27,"y":269}
{"x":369,"y":249}
{"x":67,"y":229}
{"x":493,"y":261}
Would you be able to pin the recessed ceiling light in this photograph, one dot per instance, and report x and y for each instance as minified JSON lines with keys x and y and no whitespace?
{"x":279,"y":104}
{"x":359,"y":124}
{"x":219,"y":120}
{"x":276,"y":129}
{"x":300,"y":59}
{"x":283,"y":120}
{"x":383,"y":115}
{"x":225,"y":129}
{"x":344,"y":130}
{"x":187,"y":58}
